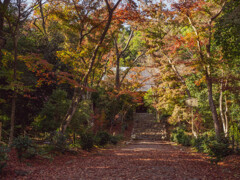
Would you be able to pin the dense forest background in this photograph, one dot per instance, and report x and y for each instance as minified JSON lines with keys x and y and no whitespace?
{"x":61,"y":74}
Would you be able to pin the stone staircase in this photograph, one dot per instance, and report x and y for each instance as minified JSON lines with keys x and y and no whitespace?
{"x":147,"y":128}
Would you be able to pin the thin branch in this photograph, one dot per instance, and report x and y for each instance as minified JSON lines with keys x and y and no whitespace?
{"x":116,"y":46}
{"x":198,"y":39}
{"x":34,"y":23}
{"x":216,"y":15}
{"x":177,"y":73}
{"x":127,"y":71}
{"x":129,"y":39}
{"x":116,"y":5}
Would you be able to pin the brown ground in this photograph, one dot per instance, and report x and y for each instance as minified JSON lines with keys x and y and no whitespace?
{"x":138,"y":160}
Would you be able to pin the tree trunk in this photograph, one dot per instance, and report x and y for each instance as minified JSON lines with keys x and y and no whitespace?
{"x":193,"y":127}
{"x":72,"y":109}
{"x":217,"y":124}
{"x":175,"y":70}
{"x":77,"y":91}
{"x":158,"y":116}
{"x":118,"y":73}
{"x":118,"y":56}
{"x":13,"y":111}
{"x":221,"y":107}
{"x":226,"y":117}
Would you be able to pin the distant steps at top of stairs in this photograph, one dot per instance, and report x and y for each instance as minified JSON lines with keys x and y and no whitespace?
{"x":146,"y":127}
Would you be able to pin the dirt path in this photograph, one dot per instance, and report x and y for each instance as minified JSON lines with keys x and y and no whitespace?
{"x":140,"y":160}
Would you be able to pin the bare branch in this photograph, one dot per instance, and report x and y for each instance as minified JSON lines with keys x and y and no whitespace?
{"x":127,"y":71}
{"x":116,"y":5}
{"x":129,"y":39}
{"x":216,"y":15}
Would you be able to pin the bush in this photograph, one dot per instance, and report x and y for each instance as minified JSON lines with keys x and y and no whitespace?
{"x":22,"y":145}
{"x":59,"y":142}
{"x":219,"y":149}
{"x":102,"y":138}
{"x":52,"y":112}
{"x":207,"y":143}
{"x":87,"y":140}
{"x":186,"y":140}
{"x":179,"y":136}
{"x":200,"y":143}
{"x":115,"y":139}
{"x":3,"y":157}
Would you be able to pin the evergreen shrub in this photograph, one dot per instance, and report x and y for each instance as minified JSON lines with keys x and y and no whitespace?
{"x":22,"y":145}
{"x":102,"y":138}
{"x":59,"y":142}
{"x":86,"y":140}
{"x":3,"y":156}
{"x":179,"y":136}
{"x":115,"y":139}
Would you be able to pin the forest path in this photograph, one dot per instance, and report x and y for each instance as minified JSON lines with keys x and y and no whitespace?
{"x":142,"y":160}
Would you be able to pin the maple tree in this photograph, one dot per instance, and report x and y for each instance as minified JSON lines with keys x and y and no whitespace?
{"x":193,"y":46}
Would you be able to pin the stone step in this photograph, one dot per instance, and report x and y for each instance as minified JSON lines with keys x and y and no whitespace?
{"x":149,"y":137}
{"x":150,"y":133}
{"x":149,"y":125}
{"x":147,"y":128}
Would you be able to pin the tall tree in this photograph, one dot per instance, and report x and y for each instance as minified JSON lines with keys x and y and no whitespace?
{"x":201,"y":16}
{"x":3,"y":9}
{"x":16,"y":17}
{"x":83,"y":11}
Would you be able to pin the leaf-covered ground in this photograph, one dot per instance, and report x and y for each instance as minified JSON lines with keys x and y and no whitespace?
{"x":138,"y":160}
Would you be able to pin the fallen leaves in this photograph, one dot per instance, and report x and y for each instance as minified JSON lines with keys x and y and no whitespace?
{"x":139,"y":160}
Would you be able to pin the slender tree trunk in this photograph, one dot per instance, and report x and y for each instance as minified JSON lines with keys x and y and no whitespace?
{"x":119,"y":55}
{"x":226,"y":117}
{"x":94,"y":55}
{"x":103,"y":74}
{"x":127,"y":70}
{"x":217,"y":124}
{"x":14,"y":98}
{"x":175,"y":70}
{"x":72,"y":109}
{"x":74,"y":137}
{"x":221,"y":107}
{"x":194,"y":132}
{"x":12,"y":123}
{"x":117,"y":73}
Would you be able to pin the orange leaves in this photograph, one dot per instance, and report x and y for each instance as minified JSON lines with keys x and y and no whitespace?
{"x":188,"y":6}
{"x":65,"y":77}
{"x":128,"y":12}
{"x":44,"y":71}
{"x":198,"y":82}
{"x":137,"y":97}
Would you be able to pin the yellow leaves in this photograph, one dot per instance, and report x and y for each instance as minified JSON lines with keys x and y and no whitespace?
{"x":7,"y":58}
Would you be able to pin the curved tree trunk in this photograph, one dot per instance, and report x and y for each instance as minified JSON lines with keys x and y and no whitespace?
{"x":77,"y":91}
{"x":217,"y":125}
{"x":72,"y":109}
